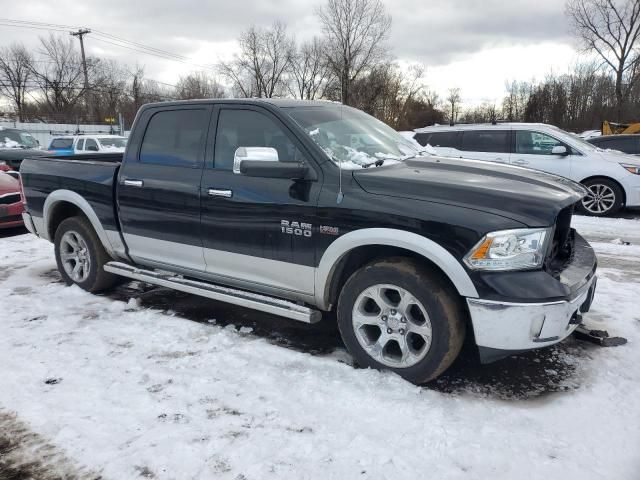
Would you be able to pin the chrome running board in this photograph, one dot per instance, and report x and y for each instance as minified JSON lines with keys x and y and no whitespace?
{"x":263,"y":303}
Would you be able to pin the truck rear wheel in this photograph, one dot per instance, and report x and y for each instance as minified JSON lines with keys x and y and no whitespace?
{"x":397,"y":315}
{"x":80,"y":255}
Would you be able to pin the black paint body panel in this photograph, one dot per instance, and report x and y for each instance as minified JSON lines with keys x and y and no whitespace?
{"x":452,"y":202}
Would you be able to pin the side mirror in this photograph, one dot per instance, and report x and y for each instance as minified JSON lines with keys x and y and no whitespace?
{"x":253,"y":154}
{"x":559,"y":150}
{"x":264,"y":162}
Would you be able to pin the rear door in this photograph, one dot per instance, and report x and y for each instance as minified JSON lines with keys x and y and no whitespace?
{"x":257,"y":231}
{"x":493,"y":145}
{"x":533,"y":149}
{"x":159,"y":187}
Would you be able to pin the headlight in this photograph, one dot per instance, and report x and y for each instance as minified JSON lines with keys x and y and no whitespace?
{"x":631,"y":168}
{"x":521,"y":249}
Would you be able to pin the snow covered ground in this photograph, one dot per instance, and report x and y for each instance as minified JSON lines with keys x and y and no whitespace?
{"x":103,"y":385}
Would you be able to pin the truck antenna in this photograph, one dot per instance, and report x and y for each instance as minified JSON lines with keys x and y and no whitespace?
{"x":340,"y":194}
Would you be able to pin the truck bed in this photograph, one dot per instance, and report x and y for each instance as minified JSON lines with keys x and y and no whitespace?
{"x":90,"y":176}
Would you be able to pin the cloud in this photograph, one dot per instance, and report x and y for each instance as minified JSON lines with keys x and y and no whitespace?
{"x":438,"y":33}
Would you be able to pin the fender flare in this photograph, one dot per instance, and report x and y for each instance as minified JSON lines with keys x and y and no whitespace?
{"x":424,"y":247}
{"x":69,"y":196}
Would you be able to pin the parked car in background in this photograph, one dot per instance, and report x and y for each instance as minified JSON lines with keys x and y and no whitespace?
{"x":15,"y":145}
{"x":612,"y":178}
{"x":629,"y":144}
{"x":588,"y":134}
{"x":74,"y":144}
{"x":11,"y":202}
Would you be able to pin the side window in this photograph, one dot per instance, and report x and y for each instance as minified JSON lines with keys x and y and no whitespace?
{"x":495,"y":141}
{"x":80,"y":144}
{"x":62,"y":143}
{"x":90,"y":145}
{"x":445,"y":139}
{"x":248,"y":128}
{"x":175,"y":137}
{"x":535,"y":143}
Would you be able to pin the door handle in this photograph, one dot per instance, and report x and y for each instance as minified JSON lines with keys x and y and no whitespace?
{"x":132,"y":183}
{"x":520,"y":162}
{"x":215,"y":192}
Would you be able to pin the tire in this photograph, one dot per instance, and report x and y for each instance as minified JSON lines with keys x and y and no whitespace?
{"x":89,"y":256}
{"x":605,"y":199}
{"x":423,"y":334}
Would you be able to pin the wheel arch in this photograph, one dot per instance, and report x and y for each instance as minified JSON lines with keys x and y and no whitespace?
{"x":610,"y":179}
{"x":367,"y":244}
{"x":62,"y":204}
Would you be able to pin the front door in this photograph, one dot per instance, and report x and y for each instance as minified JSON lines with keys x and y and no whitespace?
{"x":257,"y":231}
{"x":159,"y":188}
{"x":534,"y":150}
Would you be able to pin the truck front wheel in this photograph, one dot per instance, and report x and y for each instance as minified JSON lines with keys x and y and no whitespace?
{"x":397,"y":315}
{"x":80,"y":255}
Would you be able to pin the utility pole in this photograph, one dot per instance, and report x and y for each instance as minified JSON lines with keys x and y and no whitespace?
{"x":80,"y":34}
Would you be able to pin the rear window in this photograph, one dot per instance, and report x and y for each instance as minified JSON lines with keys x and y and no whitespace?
{"x":62,"y":143}
{"x":439,"y":139}
{"x":486,"y":141}
{"x":175,"y":137}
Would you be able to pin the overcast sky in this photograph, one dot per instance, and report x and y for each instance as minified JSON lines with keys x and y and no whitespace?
{"x":475,"y":45}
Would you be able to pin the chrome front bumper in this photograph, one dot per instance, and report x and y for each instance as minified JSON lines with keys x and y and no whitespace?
{"x":525,"y":326}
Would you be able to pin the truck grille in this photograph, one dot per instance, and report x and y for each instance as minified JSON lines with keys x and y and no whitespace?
{"x":9,"y":198}
{"x":561,"y":252}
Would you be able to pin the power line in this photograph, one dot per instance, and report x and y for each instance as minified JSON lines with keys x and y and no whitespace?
{"x":106,"y":38}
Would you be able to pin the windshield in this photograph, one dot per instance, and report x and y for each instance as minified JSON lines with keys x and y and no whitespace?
{"x":13,"y":139}
{"x":113,"y":142}
{"x":353,"y":138}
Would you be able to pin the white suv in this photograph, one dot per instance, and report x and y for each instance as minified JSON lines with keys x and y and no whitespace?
{"x":613,"y":178}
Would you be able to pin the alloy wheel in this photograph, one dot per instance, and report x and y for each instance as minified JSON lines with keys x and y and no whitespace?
{"x":392,"y":326}
{"x":75,"y":256}
{"x":600,"y":199}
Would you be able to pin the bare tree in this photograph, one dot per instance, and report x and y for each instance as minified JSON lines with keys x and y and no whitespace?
{"x":15,"y":73}
{"x":259,"y":69}
{"x":310,"y":72}
{"x":454,"y":99}
{"x":514,"y":104}
{"x":109,"y":81}
{"x":198,"y":85}
{"x":60,"y":75}
{"x":611,"y":29}
{"x":355,"y":31}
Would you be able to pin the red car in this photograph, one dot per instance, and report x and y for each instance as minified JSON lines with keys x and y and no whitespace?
{"x":11,"y":201}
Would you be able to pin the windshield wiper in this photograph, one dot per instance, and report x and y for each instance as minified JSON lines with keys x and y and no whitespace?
{"x":377,"y":163}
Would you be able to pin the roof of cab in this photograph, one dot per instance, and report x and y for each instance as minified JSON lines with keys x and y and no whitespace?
{"x":277,"y":102}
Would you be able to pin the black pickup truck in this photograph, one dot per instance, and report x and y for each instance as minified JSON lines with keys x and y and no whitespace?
{"x":298,"y":208}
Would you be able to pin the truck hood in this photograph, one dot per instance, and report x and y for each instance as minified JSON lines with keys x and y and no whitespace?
{"x":530,"y":197}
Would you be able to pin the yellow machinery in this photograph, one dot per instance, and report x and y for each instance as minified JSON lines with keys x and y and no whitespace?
{"x":610,"y":128}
